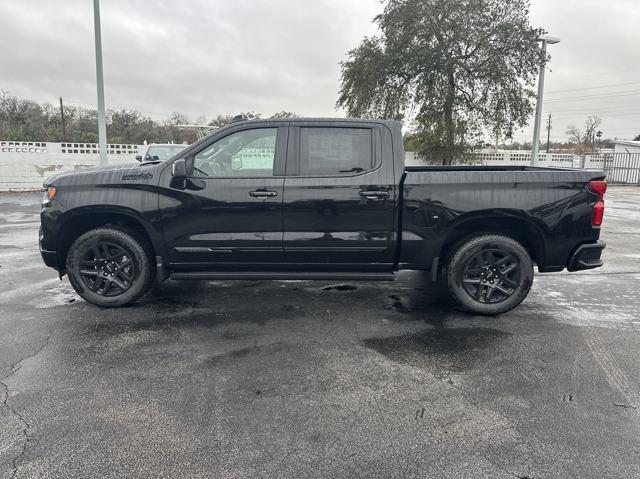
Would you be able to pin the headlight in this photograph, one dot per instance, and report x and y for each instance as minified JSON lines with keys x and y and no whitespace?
{"x":49,"y":194}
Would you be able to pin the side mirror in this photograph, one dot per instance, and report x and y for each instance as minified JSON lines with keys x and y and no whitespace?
{"x":179,"y":174}
{"x":139,"y":157}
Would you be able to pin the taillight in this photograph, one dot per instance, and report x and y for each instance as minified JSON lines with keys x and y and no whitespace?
{"x":597,"y":213}
{"x":598,"y":187}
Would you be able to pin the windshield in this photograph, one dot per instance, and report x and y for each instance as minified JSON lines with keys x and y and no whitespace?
{"x":163,"y":152}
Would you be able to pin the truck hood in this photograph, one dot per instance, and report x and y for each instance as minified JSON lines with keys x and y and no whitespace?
{"x":113,"y":174}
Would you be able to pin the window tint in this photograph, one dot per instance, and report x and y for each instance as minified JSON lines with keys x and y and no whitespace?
{"x":245,"y":153}
{"x":335,"y":151}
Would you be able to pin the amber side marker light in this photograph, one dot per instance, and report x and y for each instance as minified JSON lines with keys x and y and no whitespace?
{"x":597,"y":213}
{"x":51,"y":192}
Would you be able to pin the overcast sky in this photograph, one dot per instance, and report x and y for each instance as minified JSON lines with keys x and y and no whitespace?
{"x":209,"y":57}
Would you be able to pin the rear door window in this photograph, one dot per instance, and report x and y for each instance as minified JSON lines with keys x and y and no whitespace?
{"x":328,"y":151}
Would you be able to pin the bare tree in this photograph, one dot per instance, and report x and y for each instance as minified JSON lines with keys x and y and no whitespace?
{"x":575,"y":134}
{"x":591,"y":130}
{"x":585,"y":139}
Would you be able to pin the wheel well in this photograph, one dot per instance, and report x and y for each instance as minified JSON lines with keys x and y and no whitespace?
{"x":520,"y":230}
{"x":79,"y":225}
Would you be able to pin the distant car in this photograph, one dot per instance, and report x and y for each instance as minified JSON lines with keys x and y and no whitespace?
{"x":160,"y":152}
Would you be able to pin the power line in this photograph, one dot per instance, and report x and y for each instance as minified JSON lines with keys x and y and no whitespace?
{"x":116,"y":107}
{"x":592,"y":87}
{"x":593,"y":110}
{"x":594,"y":97}
{"x":599,"y":74}
{"x":603,"y":115}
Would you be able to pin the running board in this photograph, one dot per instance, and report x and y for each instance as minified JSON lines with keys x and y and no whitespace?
{"x":284,"y":275}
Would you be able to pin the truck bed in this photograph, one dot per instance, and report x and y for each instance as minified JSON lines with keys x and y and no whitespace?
{"x":421,"y":175}
{"x":552,"y":205}
{"x":487,"y":168}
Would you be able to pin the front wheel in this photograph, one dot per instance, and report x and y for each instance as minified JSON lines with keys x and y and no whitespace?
{"x":110,"y":266}
{"x":489,"y":274}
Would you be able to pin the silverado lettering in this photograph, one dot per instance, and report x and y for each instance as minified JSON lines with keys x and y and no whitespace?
{"x":137,"y":176}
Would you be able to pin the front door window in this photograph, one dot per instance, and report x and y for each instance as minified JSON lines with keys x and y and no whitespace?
{"x":244,"y":154}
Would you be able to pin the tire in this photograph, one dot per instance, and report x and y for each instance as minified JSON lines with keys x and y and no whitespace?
{"x":110,"y":266}
{"x":489,"y":274}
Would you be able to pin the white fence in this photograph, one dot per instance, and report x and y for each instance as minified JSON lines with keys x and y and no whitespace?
{"x":544,"y":159}
{"x":523,"y":159}
{"x":25,"y":165}
{"x":623,"y":168}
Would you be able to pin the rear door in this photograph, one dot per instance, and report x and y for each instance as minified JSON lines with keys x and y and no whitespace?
{"x":340,"y":197}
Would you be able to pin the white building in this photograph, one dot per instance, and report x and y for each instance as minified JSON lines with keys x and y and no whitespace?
{"x":625,"y":146}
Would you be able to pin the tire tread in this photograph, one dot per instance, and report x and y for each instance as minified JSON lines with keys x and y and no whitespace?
{"x":469,"y":242}
{"x":127,"y":236}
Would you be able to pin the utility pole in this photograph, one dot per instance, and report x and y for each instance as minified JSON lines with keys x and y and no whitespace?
{"x":548,"y":132}
{"x":64,"y":129}
{"x":102,"y":121}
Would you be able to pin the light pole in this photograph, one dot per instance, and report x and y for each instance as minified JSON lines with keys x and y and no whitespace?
{"x":535,"y":145}
{"x":102,"y":121}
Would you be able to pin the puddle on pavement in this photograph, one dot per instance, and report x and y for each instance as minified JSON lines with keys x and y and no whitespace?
{"x":439,"y":349}
{"x":340,"y":287}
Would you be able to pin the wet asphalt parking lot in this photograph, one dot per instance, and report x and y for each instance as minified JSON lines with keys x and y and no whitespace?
{"x":320,"y":379}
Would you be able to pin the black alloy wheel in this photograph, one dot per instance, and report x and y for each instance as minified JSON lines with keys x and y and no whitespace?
{"x":488,"y":273}
{"x":107,"y":269}
{"x":492,"y":275}
{"x":111,"y":266}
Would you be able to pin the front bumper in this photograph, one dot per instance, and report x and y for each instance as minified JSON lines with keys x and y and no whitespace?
{"x":587,"y":256}
{"x":50,"y":258}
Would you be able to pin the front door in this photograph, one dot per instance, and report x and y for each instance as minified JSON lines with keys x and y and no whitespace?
{"x":340,"y":197}
{"x":230,"y":214}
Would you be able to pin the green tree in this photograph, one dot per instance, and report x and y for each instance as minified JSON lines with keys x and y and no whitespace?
{"x":637,"y":138}
{"x":23,"y":120}
{"x":224,"y":120}
{"x":26,"y":120}
{"x":284,"y":115}
{"x":456,"y":69}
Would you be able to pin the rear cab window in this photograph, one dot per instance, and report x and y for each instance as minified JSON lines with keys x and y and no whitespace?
{"x":335,"y":151}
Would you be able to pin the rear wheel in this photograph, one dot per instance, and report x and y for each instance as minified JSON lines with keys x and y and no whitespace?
{"x":110,"y":266}
{"x":489,"y":274}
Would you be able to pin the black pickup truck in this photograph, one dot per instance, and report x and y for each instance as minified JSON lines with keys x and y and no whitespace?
{"x":318,"y":199}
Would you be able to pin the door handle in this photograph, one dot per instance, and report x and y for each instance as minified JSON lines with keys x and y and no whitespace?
{"x":263,"y":194}
{"x":375,"y":195}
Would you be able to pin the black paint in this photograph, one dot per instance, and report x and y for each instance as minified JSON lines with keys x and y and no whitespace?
{"x":382,"y":220}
